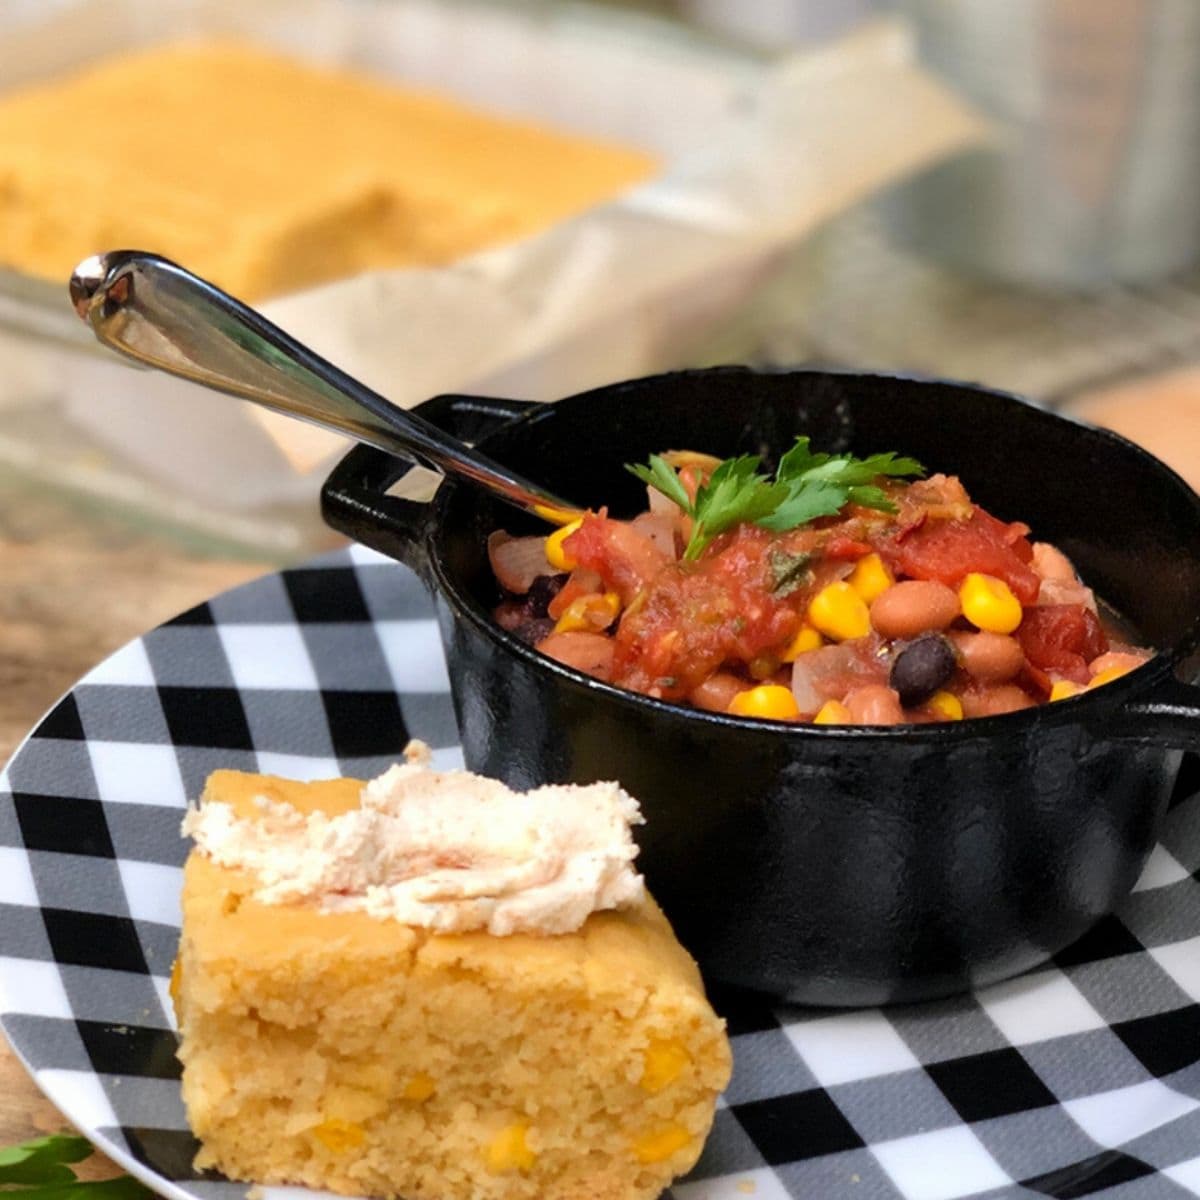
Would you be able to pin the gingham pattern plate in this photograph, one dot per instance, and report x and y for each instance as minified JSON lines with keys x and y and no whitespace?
{"x":1082,"y":1079}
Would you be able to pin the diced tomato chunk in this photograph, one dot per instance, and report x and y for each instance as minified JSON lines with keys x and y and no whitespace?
{"x":1062,"y":638}
{"x":947,"y":551}
{"x":624,"y":558}
{"x":698,"y":616}
{"x":1014,"y":534}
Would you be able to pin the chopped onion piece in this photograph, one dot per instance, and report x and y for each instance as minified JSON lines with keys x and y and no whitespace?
{"x":517,"y":562}
{"x":659,"y":528}
{"x":660,"y":505}
{"x":1064,"y":591}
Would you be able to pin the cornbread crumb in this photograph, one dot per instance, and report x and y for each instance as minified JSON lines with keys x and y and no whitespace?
{"x":367,"y":1057}
{"x":329,"y":173}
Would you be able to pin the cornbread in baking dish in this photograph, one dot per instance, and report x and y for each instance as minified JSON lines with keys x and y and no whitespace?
{"x":267,"y":175}
{"x":358,"y":1053}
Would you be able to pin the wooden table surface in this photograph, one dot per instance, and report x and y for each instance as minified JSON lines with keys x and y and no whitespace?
{"x":73,"y":591}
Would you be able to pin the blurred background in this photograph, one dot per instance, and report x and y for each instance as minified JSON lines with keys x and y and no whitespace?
{"x":1006,"y":193}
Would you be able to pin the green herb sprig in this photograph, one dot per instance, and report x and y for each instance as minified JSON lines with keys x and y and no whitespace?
{"x":40,"y":1170}
{"x":806,"y":485}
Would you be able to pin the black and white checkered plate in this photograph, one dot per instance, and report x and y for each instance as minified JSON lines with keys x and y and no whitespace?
{"x":1081,"y":1079}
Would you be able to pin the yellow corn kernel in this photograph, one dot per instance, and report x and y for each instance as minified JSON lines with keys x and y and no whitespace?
{"x":807,"y":639}
{"x":574,"y":617}
{"x":555,"y":553}
{"x":1107,"y":676}
{"x":588,"y":614}
{"x":1064,"y":689}
{"x":989,"y":604}
{"x":661,"y":1144}
{"x":664,"y":1062}
{"x":339,"y":1136}
{"x":833,"y":712}
{"x":947,"y":706}
{"x":419,"y":1087}
{"x":870,"y":578}
{"x":509,"y":1151}
{"x":557,"y":516}
{"x":839,"y":612}
{"x":768,"y":700}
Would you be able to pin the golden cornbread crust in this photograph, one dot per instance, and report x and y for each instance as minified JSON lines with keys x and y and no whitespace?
{"x":363,"y":1056}
{"x":267,"y":175}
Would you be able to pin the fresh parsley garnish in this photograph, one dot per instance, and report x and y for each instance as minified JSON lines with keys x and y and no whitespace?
{"x":39,"y":1170}
{"x":806,"y":485}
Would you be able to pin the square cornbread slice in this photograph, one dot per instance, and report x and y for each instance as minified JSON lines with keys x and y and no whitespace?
{"x":365,"y":1056}
{"x":268,"y":174}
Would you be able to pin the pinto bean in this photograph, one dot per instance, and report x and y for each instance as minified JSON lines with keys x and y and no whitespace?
{"x":988,"y":657}
{"x":715,"y":693}
{"x":1051,"y":563}
{"x":591,"y":653}
{"x":874,"y":705}
{"x":914,"y":606}
{"x":992,"y":701}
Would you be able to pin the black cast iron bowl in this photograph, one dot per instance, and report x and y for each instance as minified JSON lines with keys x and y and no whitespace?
{"x":833,"y":866}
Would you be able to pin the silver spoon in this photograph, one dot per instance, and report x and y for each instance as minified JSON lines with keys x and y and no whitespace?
{"x":155,"y":312}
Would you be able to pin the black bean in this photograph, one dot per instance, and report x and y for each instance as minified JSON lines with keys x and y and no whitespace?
{"x":532,"y":631}
{"x":922,"y":667}
{"x":541,"y":591}
{"x":511,"y":614}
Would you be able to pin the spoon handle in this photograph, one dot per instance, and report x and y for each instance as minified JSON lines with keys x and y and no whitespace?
{"x":155,"y":312}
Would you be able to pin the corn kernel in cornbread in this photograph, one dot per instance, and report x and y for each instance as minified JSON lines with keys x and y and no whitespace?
{"x":267,"y":175}
{"x":357,"y":1054}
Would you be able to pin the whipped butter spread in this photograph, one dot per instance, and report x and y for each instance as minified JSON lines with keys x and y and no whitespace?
{"x":447,"y":851}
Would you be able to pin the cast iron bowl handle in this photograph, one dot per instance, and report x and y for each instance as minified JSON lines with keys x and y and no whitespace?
{"x":1168,"y":717}
{"x":354,"y":498}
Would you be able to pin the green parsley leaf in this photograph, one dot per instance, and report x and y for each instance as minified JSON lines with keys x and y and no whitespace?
{"x":807,"y":485}
{"x":799,"y":464}
{"x":867,"y":495}
{"x":42,"y":1160}
{"x":123,"y":1187}
{"x":735,"y":493}
{"x":799,"y":460}
{"x":663,"y":477}
{"x":804,"y":503}
{"x":38,"y":1170}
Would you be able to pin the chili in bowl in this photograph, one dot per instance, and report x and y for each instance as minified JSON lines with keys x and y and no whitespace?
{"x":833,"y":592}
{"x":836,"y":863}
